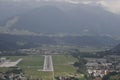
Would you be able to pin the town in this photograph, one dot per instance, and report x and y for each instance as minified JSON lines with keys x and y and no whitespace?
{"x":99,"y":67}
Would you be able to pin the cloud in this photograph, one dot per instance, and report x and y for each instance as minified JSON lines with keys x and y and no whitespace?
{"x":110,"y":5}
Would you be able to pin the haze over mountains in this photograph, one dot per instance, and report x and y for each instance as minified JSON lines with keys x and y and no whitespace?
{"x":58,"y":17}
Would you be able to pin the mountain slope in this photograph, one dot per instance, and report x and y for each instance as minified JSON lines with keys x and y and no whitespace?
{"x":95,"y":19}
{"x":46,"y":19}
{"x":13,"y":42}
{"x":115,"y":50}
{"x":82,"y":19}
{"x":61,"y":17}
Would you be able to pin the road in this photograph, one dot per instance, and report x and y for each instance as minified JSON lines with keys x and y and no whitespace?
{"x":48,"y":65}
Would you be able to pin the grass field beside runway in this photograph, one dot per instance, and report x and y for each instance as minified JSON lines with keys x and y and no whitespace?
{"x":63,"y":65}
{"x":31,"y":64}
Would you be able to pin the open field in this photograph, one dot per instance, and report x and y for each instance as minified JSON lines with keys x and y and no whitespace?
{"x":63,"y":65}
{"x":65,"y":49}
{"x":31,"y":64}
{"x":91,"y":49}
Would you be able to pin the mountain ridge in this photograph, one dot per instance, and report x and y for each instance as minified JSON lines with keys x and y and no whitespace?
{"x":50,"y":19}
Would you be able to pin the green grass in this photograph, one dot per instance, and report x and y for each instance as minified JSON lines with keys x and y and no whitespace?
{"x":91,"y":49}
{"x":63,"y":66}
{"x":34,"y":74}
{"x":32,"y":61}
{"x":5,"y":69}
{"x":31,"y":64}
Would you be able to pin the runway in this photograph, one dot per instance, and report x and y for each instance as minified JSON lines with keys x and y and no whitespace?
{"x":48,"y":65}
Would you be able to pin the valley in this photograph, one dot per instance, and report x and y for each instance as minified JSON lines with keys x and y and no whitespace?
{"x":59,"y":40}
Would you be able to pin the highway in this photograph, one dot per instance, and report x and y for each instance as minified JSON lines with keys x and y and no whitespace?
{"x":48,"y":65}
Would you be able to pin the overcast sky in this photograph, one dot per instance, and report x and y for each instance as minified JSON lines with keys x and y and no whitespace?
{"x":111,"y":5}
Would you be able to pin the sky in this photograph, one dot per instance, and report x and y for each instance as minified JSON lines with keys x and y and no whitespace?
{"x":110,"y":5}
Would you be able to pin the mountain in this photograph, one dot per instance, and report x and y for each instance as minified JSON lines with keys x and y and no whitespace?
{"x":12,"y":8}
{"x":13,"y":42}
{"x":82,"y":19}
{"x":98,"y":41}
{"x":95,"y":20}
{"x":115,"y":50}
{"x":47,"y":19}
{"x":59,"y":17}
